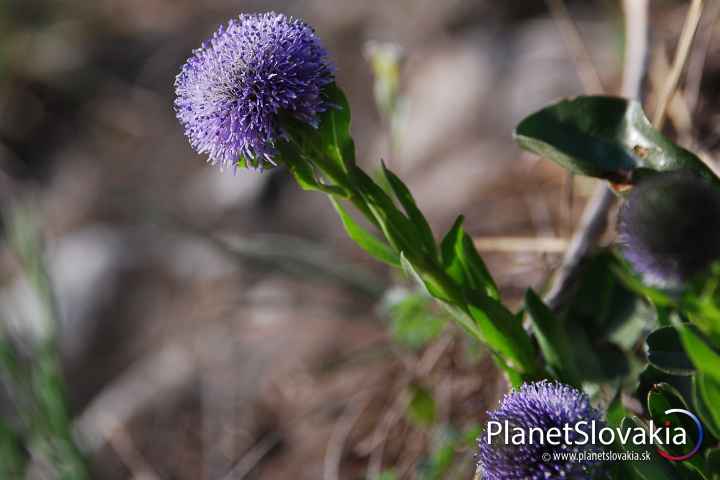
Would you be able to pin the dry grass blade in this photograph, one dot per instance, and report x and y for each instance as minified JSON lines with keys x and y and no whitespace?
{"x":683,"y":51}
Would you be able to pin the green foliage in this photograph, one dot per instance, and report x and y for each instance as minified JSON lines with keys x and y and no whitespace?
{"x":44,"y":425}
{"x":593,"y":340}
{"x":657,"y":468}
{"x":414,"y":322}
{"x":604,"y":137}
{"x":462,"y":263}
{"x":13,"y":459}
{"x":421,"y":408}
{"x":552,"y":336}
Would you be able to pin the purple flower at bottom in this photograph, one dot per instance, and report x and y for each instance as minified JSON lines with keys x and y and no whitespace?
{"x":231,"y":91}
{"x":669,"y":227}
{"x":541,"y":405}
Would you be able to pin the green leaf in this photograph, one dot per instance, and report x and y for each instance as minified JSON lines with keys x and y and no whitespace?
{"x":421,"y":409}
{"x":657,"y":468}
{"x":605,"y":309}
{"x":604,"y":137}
{"x":552,"y":338}
{"x":709,"y":389}
{"x":616,"y":410}
{"x":414,"y":322}
{"x":698,"y":348}
{"x":12,"y":457}
{"x":712,"y":463}
{"x":663,"y":397}
{"x":397,"y":228}
{"x":402,"y":193}
{"x":437,"y":464}
{"x":710,"y":418}
{"x":365,"y":239}
{"x":665,"y":351}
{"x":335,"y":129}
{"x":462,"y":262}
{"x":502,"y":331}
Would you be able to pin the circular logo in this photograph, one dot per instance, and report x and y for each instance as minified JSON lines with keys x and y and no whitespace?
{"x":696,"y":448}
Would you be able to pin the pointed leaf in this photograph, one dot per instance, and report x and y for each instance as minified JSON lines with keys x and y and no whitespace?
{"x":365,"y":239}
{"x":402,"y":193}
{"x":502,"y":331}
{"x":462,"y":262}
{"x":710,"y":418}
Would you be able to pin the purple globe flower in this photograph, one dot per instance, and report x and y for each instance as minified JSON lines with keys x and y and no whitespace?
{"x":669,"y":228}
{"x":541,"y":405}
{"x":232,"y":90}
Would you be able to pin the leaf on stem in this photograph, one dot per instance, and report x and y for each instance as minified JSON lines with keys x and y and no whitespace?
{"x":365,"y":239}
{"x":604,"y":137}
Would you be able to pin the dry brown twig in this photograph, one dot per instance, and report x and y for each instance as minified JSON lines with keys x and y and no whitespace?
{"x":594,"y":218}
{"x":681,"y":57}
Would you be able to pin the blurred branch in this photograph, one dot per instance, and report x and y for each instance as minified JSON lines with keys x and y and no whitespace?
{"x":521,"y":244}
{"x":681,"y":56}
{"x":696,"y":64}
{"x":299,"y":257}
{"x":154,"y":378}
{"x":587,"y":72}
{"x":594,"y":218}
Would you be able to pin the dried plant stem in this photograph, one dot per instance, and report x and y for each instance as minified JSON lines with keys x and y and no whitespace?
{"x":594,"y":219}
{"x":683,"y":51}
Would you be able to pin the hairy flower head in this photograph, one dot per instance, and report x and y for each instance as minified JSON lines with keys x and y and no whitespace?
{"x":669,"y":227}
{"x":539,"y":405}
{"x":232,"y":90}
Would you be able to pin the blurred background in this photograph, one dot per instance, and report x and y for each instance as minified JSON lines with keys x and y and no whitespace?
{"x":212,"y":325}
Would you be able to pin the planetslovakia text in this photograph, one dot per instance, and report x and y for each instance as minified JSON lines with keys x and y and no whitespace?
{"x":584,"y":433}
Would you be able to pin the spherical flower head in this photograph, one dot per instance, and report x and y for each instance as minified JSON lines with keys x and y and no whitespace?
{"x":233,"y":89}
{"x":669,"y":228}
{"x":540,"y":405}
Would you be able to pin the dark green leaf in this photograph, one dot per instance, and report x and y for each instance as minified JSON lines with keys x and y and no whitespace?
{"x":712,"y":463}
{"x":605,"y":309}
{"x":652,"y":376}
{"x":335,"y":129}
{"x":605,"y":137}
{"x":665,"y":351}
{"x":663,"y":397}
{"x":12,"y":457}
{"x":552,"y":338}
{"x":616,"y":410}
{"x":365,"y":239}
{"x":657,"y":468}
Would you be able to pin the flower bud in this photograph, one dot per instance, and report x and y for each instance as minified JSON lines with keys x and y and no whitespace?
{"x":669,"y":228}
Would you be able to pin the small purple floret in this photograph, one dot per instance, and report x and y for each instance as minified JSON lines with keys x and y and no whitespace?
{"x":233,"y":88}
{"x":544,"y":405}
